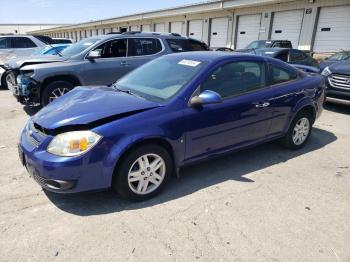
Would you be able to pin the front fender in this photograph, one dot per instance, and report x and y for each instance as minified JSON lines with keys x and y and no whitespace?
{"x":127,"y":142}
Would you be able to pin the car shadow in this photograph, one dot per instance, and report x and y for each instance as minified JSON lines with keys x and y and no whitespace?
{"x":193,"y":178}
{"x":337,"y":108}
{"x":31,"y":110}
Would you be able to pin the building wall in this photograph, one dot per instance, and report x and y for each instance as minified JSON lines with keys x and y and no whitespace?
{"x":231,"y":9}
{"x":23,"y":28}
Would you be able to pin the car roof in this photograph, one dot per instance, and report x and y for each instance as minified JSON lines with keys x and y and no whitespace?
{"x":214,"y":55}
{"x":143,"y":34}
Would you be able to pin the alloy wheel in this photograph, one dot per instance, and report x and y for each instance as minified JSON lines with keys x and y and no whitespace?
{"x":146,"y":174}
{"x":58,"y":92}
{"x":301,"y":131}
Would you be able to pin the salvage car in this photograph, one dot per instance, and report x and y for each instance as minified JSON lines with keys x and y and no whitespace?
{"x":55,"y":49}
{"x":338,"y":82}
{"x":99,"y":60}
{"x":291,"y":56}
{"x":337,"y":57}
{"x":260,"y":44}
{"x":12,"y":46}
{"x":171,"y":112}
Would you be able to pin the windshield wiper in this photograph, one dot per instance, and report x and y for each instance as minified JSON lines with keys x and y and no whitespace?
{"x":125,"y":91}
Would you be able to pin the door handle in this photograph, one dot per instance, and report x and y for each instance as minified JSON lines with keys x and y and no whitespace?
{"x":124,"y":63}
{"x":262,"y":104}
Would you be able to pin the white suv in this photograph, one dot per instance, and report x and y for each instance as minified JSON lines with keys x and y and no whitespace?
{"x":14,"y":46}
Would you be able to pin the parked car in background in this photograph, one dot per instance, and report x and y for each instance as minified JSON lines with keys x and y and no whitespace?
{"x":222,"y":49}
{"x":174,"y":111}
{"x":339,"y":56}
{"x":338,"y":82}
{"x":54,"y":49}
{"x":62,"y":40}
{"x":260,"y":44}
{"x":99,"y":60}
{"x":12,"y":46}
{"x":291,"y":56}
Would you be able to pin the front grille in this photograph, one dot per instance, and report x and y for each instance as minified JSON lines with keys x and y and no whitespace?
{"x":40,"y":180}
{"x":34,"y":135}
{"x":339,"y":81}
{"x":32,"y":140}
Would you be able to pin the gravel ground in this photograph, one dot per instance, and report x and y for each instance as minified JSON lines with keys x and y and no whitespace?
{"x":261,"y":204}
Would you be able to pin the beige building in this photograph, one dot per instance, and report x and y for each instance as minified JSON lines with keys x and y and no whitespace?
{"x":318,"y":25}
{"x":6,"y":29}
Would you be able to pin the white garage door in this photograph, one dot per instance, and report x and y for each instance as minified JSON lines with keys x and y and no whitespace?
{"x":287,"y":25}
{"x":248,"y":30}
{"x":159,"y":27}
{"x":134,"y":28}
{"x":219,"y":32}
{"x":176,"y":27}
{"x":146,"y":28}
{"x":195,"y":29}
{"x":333,"y":29}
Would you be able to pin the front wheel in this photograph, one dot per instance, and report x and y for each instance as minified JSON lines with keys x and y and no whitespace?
{"x":299,"y":131}
{"x":143,"y":172}
{"x":55,"y":90}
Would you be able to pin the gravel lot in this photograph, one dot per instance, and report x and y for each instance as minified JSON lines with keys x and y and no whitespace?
{"x":261,"y":204}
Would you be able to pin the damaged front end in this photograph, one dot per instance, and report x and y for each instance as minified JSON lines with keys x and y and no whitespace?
{"x":23,"y":87}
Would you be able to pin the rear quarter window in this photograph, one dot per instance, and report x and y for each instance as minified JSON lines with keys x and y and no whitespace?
{"x":280,"y":75}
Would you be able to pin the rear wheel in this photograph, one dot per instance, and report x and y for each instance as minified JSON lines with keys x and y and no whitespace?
{"x":299,"y":131}
{"x":55,"y":90}
{"x":143,"y":172}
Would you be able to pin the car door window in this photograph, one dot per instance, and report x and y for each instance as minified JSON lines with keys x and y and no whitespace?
{"x":5,"y":42}
{"x":296,"y":56}
{"x":22,"y":42}
{"x":236,"y":78}
{"x":113,"y":48}
{"x":283,"y":56}
{"x":197,"y":46}
{"x":143,"y":46}
{"x":281,"y":75}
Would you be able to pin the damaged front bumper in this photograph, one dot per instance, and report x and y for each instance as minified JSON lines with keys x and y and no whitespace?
{"x":23,"y":87}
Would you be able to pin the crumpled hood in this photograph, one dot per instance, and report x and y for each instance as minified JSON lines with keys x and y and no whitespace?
{"x":87,"y":105}
{"x":30,"y":60}
{"x":342,"y":67}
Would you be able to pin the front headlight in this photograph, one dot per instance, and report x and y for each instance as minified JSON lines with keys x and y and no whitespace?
{"x":73,"y":143}
{"x":326,"y":71}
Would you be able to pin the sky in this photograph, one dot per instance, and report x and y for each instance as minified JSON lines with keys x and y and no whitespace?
{"x":76,"y":11}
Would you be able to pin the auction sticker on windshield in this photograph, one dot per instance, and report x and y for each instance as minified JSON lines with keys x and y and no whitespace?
{"x":189,"y":63}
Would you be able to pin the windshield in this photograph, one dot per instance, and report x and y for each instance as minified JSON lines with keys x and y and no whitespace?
{"x":256,"y":44}
{"x":79,"y":47}
{"x":343,"y":55}
{"x":161,"y":79}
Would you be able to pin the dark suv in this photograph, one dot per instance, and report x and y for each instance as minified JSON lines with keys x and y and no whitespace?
{"x":99,"y":60}
{"x":338,"y":82}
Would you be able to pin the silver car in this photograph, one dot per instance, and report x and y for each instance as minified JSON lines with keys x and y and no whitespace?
{"x":99,"y":60}
{"x":12,"y":46}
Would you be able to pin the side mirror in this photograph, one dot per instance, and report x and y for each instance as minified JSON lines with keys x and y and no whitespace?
{"x":205,"y":98}
{"x":93,"y":55}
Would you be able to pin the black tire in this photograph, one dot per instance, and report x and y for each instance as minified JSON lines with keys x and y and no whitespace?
{"x":50,"y":88}
{"x":120,"y":182}
{"x":3,"y":81}
{"x":288,"y":141}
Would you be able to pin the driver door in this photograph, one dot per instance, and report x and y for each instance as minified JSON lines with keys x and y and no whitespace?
{"x":243,"y":118}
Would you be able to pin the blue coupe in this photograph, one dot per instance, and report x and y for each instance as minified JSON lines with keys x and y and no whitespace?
{"x":171,"y":112}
